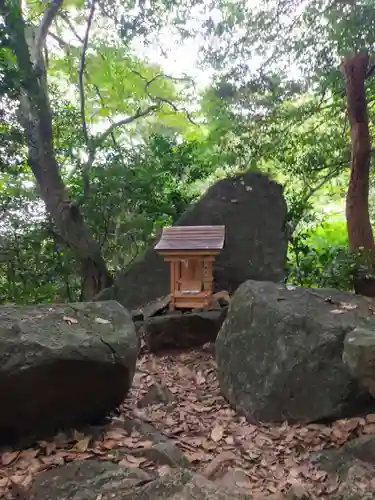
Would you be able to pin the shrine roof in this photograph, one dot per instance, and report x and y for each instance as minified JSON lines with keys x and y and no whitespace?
{"x":191,"y":238}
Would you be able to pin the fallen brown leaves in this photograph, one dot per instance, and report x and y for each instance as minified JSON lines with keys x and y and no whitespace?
{"x":266,"y":459}
{"x":272,"y":458}
{"x":17,"y":468}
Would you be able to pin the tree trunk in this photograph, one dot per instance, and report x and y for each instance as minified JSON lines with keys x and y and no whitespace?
{"x":360,"y":233}
{"x":36,"y":118}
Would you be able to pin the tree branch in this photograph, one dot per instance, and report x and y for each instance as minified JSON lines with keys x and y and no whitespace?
{"x":82,"y":94}
{"x":97,"y":141}
{"x":160,"y":99}
{"x":71,"y":27}
{"x":45,"y":24}
{"x":370,"y":71}
{"x":168,"y":77}
{"x":63,"y":44}
{"x":125,"y":121}
{"x":309,"y":192}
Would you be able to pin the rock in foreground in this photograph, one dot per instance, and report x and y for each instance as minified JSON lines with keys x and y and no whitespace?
{"x":252,"y":209}
{"x":63,"y":365}
{"x":359,"y":356}
{"x":279,"y":353}
{"x":92,"y":480}
{"x":354,"y":464}
{"x":86,"y":480}
{"x":192,"y":329}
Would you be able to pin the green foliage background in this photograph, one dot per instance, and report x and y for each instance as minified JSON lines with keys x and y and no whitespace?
{"x":275,"y":104}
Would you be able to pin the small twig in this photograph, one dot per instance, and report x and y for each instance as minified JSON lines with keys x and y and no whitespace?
{"x":71,"y":27}
{"x":64,"y":45}
{"x":111,"y":15}
{"x":327,"y":300}
{"x":168,"y":77}
{"x":125,"y":121}
{"x":164,"y":99}
{"x":292,"y":225}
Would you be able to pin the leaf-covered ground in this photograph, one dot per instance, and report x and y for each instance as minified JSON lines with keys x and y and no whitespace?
{"x":263,"y":459}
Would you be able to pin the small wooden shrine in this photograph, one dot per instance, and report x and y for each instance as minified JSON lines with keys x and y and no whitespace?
{"x":191,"y":251}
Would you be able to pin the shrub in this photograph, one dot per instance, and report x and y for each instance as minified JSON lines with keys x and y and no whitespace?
{"x":319,"y":257}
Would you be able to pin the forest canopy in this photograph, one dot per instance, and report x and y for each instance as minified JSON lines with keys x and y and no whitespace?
{"x":115,"y":116}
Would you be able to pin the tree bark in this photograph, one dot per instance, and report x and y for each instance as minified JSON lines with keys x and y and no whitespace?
{"x":360,"y":233}
{"x":36,"y":118}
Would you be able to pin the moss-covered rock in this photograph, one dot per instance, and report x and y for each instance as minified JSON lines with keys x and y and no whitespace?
{"x":279,"y":353}
{"x":252,"y":209}
{"x":63,"y":365}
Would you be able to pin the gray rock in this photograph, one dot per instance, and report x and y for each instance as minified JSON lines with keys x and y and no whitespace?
{"x":185,"y":485}
{"x":222,"y":298}
{"x":279,"y":353}
{"x":231,"y":477}
{"x":93,"y":480}
{"x":354,"y":464}
{"x":156,"y":394}
{"x":359,"y":356}
{"x":86,"y":480}
{"x":186,"y":330}
{"x":253,"y":210}
{"x":63,"y":365}
{"x":137,"y":315}
{"x":163,"y":451}
{"x":139,"y":329}
{"x":156,"y":306}
{"x":340,"y":460}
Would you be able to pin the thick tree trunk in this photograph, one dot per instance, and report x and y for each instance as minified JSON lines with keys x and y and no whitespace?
{"x":66,"y":215}
{"x":36,"y":118}
{"x":360,"y":233}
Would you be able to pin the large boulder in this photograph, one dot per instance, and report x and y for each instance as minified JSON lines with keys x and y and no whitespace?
{"x":279,"y":352}
{"x":63,"y":365}
{"x":359,"y":356}
{"x":253,"y":210}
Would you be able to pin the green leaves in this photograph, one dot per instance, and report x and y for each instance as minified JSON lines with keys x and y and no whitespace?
{"x":133,"y":191}
{"x":9,"y":75}
{"x":320,"y":257}
{"x":118,"y":84}
{"x":279,"y":103}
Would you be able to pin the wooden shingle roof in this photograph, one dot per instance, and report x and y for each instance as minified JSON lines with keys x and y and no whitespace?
{"x":191,"y":238}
